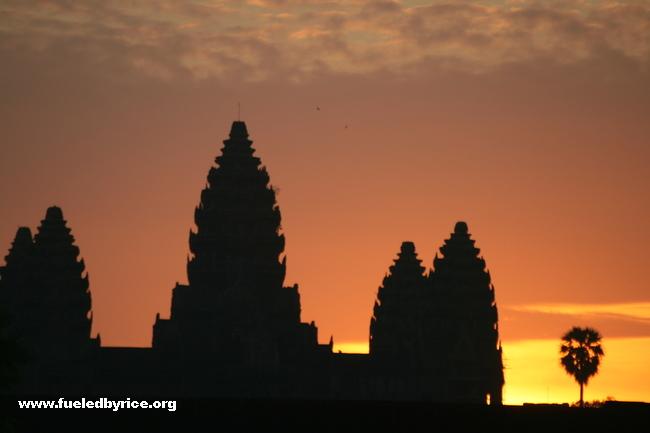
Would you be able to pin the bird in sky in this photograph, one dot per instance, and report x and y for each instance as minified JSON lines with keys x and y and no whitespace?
{"x":317,"y":108}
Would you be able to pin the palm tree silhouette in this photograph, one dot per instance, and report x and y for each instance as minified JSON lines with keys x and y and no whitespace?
{"x":581,"y":352}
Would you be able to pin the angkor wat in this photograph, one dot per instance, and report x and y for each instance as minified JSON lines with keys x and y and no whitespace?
{"x":235,"y":329}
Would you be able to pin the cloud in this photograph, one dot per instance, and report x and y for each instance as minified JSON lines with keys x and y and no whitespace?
{"x":551,"y":320}
{"x":633,"y":310}
{"x":263,"y":39}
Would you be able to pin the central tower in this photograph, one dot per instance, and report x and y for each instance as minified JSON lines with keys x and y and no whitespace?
{"x":235,"y":309}
{"x":237,"y":244}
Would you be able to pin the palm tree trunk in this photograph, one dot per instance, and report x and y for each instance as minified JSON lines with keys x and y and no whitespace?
{"x":582,"y":402}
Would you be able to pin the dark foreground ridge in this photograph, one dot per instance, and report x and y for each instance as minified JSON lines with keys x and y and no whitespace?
{"x":337,"y":416}
{"x":235,"y":331}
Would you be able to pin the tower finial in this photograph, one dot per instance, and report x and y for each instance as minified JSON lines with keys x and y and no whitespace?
{"x":461,"y":228}
{"x":238,"y":110}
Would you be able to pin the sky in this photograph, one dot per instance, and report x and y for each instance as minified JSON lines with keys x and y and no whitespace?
{"x":526,"y":119}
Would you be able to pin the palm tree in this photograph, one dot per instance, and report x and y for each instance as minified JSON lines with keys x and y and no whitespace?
{"x":581,"y":352}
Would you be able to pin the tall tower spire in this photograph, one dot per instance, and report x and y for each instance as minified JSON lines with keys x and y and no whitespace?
{"x":235,"y":305}
{"x":237,"y":243}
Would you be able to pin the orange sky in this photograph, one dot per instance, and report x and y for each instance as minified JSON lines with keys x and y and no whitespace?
{"x":527,"y":120}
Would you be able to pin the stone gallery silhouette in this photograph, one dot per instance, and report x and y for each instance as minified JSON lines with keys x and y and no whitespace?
{"x":235,"y":329}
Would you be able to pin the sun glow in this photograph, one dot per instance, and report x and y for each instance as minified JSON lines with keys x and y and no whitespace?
{"x":351,"y":347}
{"x":533,"y":373}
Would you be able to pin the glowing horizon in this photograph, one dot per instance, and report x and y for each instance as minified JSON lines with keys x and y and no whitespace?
{"x":547,"y":382}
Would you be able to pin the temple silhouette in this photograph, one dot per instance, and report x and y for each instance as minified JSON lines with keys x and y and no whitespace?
{"x":235,"y":331}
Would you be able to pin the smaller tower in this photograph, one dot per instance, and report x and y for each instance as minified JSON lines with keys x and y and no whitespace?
{"x":395,"y":328}
{"x":466,"y":322}
{"x":15,"y":286}
{"x":62,"y":305}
